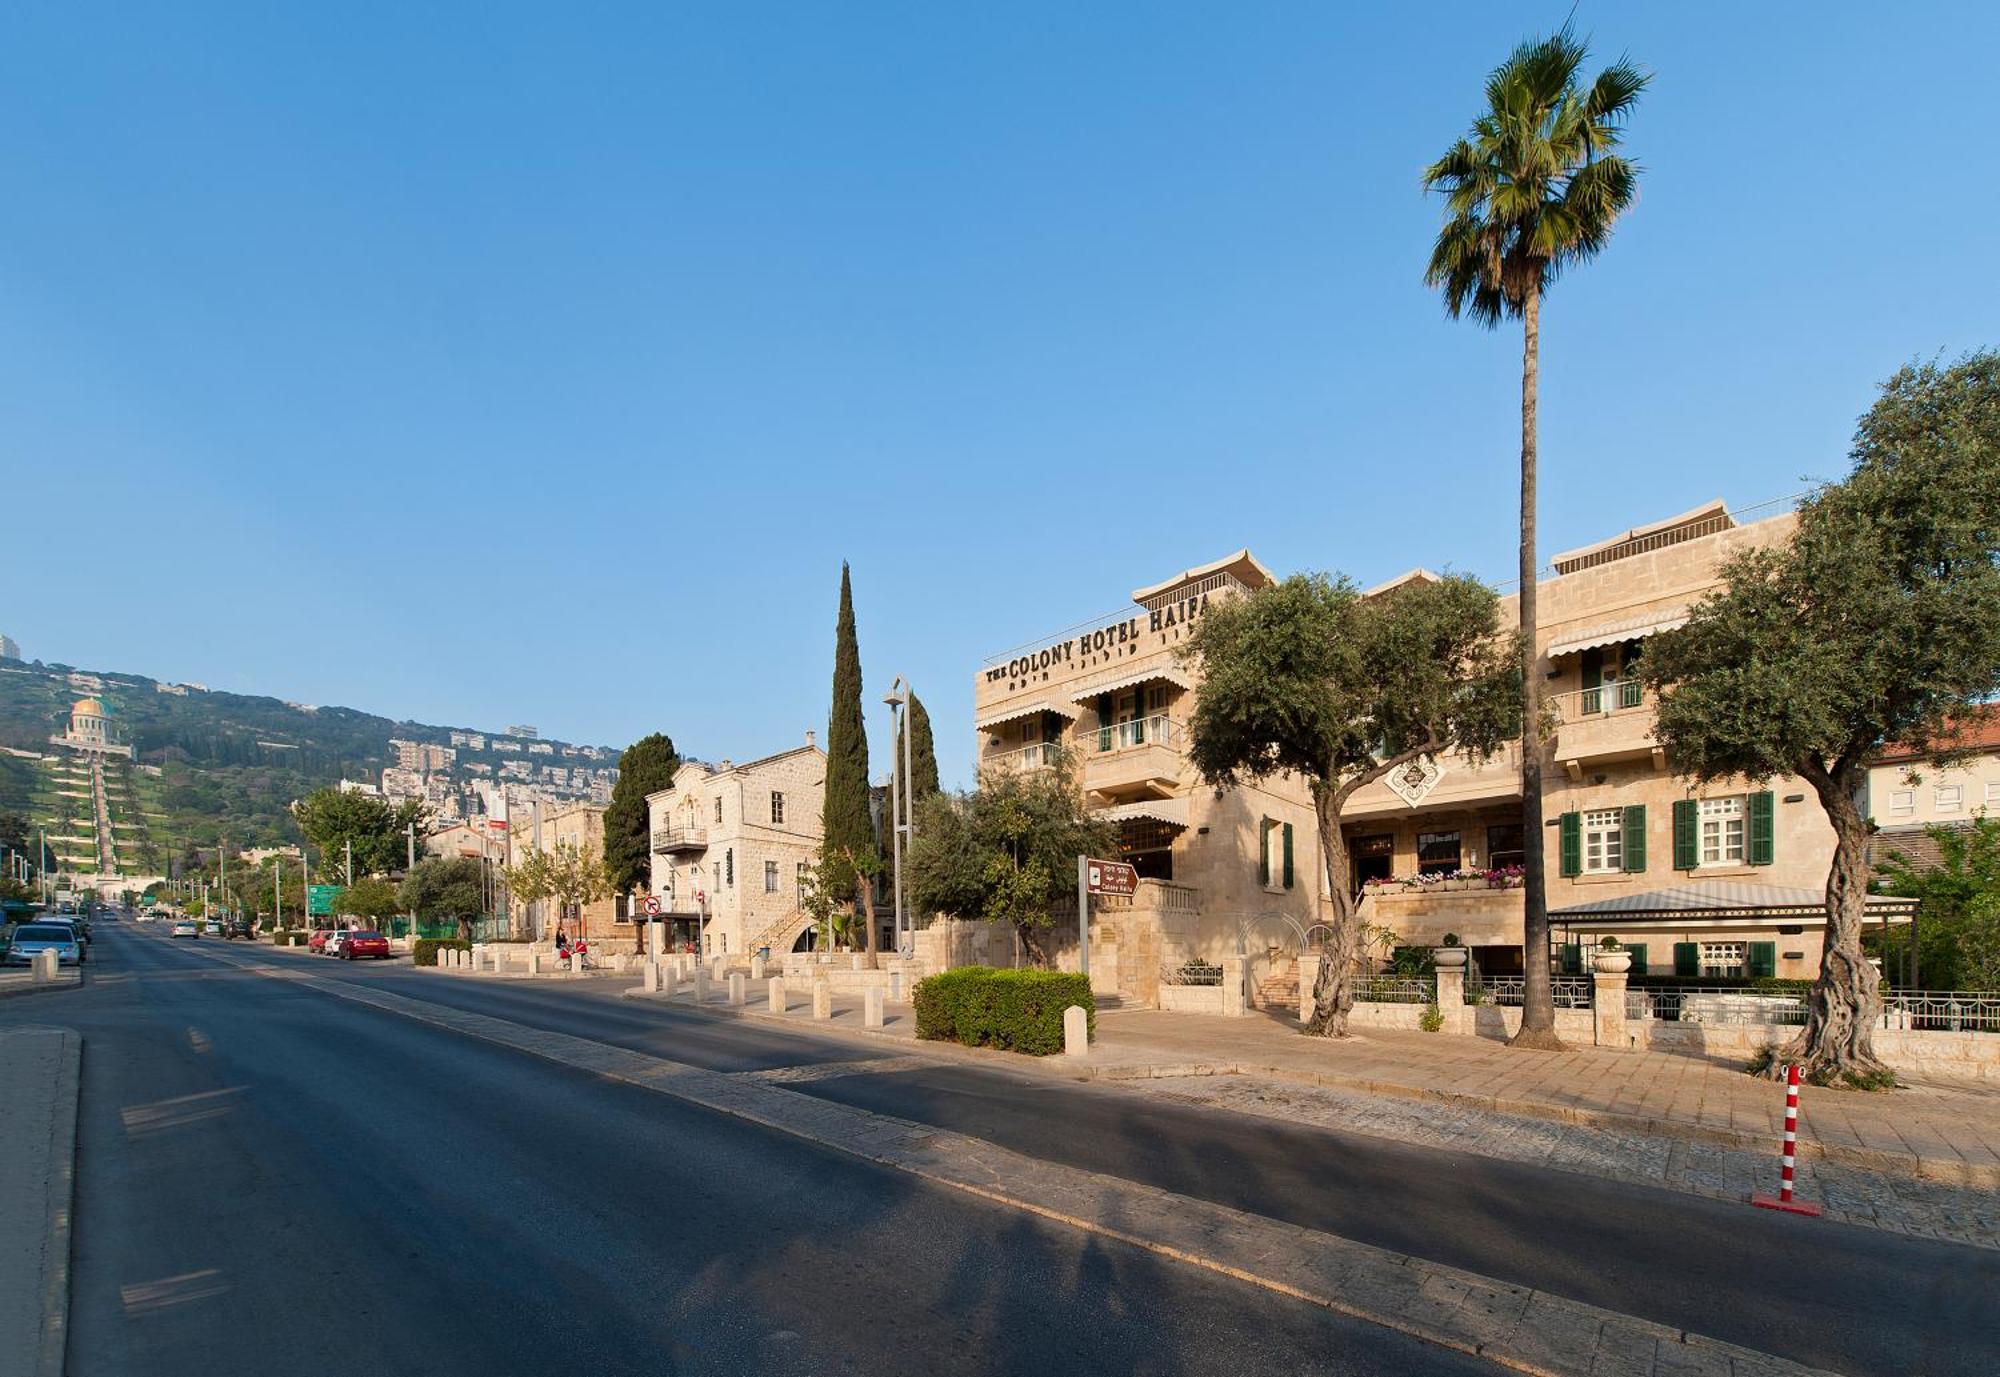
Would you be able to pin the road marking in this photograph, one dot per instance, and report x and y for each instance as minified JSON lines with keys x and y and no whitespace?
{"x":146,"y":1297}
{"x":140,"y":1119}
{"x":1516,"y":1327}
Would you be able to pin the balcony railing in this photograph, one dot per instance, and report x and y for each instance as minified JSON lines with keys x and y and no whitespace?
{"x":680,"y":839}
{"x":1621,"y":696}
{"x":1038,"y":756}
{"x":1159,"y":730}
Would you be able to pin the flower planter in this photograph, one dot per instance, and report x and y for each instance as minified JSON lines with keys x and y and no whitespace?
{"x":1614,"y":962}
{"x":1449,"y":958}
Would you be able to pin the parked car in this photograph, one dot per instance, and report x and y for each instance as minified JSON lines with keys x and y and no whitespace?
{"x":30,"y":938}
{"x":335,"y":940}
{"x":187,"y":927}
{"x":317,"y":942}
{"x":213,"y":928}
{"x":239,"y":929}
{"x":360,"y":944}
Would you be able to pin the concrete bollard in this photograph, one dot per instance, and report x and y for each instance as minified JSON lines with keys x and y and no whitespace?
{"x":700,"y":984}
{"x":736,"y":988}
{"x":897,"y":977}
{"x":871,"y":1007}
{"x":534,"y":962}
{"x":822,"y":999}
{"x":42,"y":968}
{"x":776,"y":994}
{"x":756,"y":968}
{"x":575,"y":964}
{"x":717,"y":966}
{"x":1235,"y":1003}
{"x":650,"y":978}
{"x":1076,"y":1031}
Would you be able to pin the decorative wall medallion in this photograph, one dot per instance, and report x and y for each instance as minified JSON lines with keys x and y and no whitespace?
{"x":1412,"y":782}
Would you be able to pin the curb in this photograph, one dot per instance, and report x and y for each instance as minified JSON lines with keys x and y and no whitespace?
{"x":1954,"y":1173}
{"x":42,"y":1180}
{"x":62,"y":1209}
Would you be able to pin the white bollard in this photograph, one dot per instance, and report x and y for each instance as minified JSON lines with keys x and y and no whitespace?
{"x":822,"y":999}
{"x":871,"y":1007}
{"x":736,"y":988}
{"x":716,"y":967}
{"x":575,"y":963}
{"x":776,"y":987}
{"x":650,"y":980}
{"x":42,"y":968}
{"x":534,"y":962}
{"x":700,"y":984}
{"x":896,"y":976}
{"x":756,"y":968}
{"x":1076,"y":1031}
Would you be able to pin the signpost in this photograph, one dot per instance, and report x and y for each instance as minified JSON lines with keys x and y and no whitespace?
{"x":1098,"y":877}
{"x":319,"y":900}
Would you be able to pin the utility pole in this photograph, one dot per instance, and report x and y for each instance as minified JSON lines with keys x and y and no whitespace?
{"x":409,"y":866}
{"x":898,"y":699}
{"x":277,"y":892}
{"x":350,"y":862}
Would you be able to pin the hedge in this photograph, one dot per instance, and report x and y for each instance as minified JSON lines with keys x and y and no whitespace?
{"x":1017,"y":1011}
{"x":429,"y":947}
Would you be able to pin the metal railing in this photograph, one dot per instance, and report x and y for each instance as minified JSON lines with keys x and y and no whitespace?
{"x":1394,"y":989}
{"x":1158,"y":730}
{"x":1565,"y":991}
{"x":1039,"y":755}
{"x":1191,"y":973}
{"x":1707,"y":1004}
{"x":1620,"y":696}
{"x":667,"y":838}
{"x":1942,"y":1011}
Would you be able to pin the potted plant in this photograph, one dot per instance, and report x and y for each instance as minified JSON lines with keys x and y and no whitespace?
{"x":1451,"y":955}
{"x":1612,"y":959}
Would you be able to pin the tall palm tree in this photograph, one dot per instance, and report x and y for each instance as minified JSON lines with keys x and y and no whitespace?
{"x":1534,"y":190}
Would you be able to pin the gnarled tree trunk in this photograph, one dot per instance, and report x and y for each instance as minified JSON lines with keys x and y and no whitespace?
{"x":1333,"y":988}
{"x":1838,"y":1040}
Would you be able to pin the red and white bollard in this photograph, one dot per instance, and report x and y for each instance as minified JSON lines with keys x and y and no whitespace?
{"x":1783,"y":1200}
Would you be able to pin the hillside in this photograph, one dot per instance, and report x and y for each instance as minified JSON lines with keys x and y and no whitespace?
{"x":212,"y":766}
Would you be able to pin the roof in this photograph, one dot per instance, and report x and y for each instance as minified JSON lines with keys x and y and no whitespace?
{"x":1242,"y":565}
{"x":1631,"y":629}
{"x":1172,"y":811}
{"x":1166,"y":674}
{"x":1722,"y":899}
{"x":1707,"y":511}
{"x":93,"y":706}
{"x":1417,"y":575}
{"x":1980,"y":733}
{"x":1002,"y":716}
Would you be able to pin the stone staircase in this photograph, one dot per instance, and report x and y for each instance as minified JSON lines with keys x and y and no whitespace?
{"x":1278,"y":990}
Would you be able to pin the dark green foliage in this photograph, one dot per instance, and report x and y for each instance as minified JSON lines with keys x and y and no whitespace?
{"x":367,"y":897}
{"x":646,"y":767}
{"x":1016,"y":1011}
{"x":849,"y":826}
{"x":427,"y":948}
{"x":923,"y":753}
{"x":377,"y":829}
{"x":1958,"y":915}
{"x":449,"y":890}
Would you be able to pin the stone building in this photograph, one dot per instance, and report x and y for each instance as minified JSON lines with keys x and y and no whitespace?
{"x":731,"y":846}
{"x":91,"y":730}
{"x":1906,"y":796}
{"x":603,"y":923}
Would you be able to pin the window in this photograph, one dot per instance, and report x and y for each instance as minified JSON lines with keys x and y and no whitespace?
{"x":799,"y":878}
{"x":1722,"y":830}
{"x":1992,"y":795}
{"x":1903,"y":802}
{"x":1604,"y":841}
{"x":777,"y":808}
{"x":1503,"y":845}
{"x":1437,"y":853}
{"x":770,"y":877}
{"x":718,"y":807}
{"x":729,"y":866}
{"x":1723,"y":958}
{"x":1950,"y":797}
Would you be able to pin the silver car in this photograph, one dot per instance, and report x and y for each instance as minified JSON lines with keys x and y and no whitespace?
{"x":30,"y":938}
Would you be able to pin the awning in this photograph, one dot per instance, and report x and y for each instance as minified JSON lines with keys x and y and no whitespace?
{"x":1616,"y":632}
{"x":1166,"y":674}
{"x":1172,"y":811}
{"x":1724,"y":899}
{"x":1001,"y":716}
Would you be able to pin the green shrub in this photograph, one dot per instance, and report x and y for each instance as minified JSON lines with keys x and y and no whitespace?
{"x":429,"y":947}
{"x":1433,"y":1019}
{"x":288,"y":939}
{"x":1018,"y":1011}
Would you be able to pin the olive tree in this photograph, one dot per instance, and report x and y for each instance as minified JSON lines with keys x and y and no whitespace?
{"x":1878,"y":621}
{"x":1310,"y":678}
{"x":565,"y":873}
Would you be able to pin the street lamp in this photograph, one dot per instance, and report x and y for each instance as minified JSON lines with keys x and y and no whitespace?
{"x":898,"y":699}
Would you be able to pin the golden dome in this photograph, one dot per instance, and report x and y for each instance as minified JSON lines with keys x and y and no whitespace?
{"x":88,"y":707}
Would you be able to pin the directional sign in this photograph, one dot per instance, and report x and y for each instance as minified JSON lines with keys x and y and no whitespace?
{"x":1110,"y":877}
{"x":652,"y":906}
{"x":319,"y":900}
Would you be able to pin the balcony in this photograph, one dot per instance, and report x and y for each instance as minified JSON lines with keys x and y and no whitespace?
{"x":668,"y":840}
{"x":1039,"y":756}
{"x":1122,"y":757}
{"x":1610,"y":722}
{"x":1480,"y":916}
{"x":1461,"y":784}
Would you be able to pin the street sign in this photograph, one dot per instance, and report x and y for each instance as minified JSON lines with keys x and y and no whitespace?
{"x":1110,"y":877}
{"x":319,"y":900}
{"x":652,"y":906}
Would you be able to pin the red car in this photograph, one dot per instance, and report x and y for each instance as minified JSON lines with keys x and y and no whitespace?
{"x":360,"y":944}
{"x":317,"y":942}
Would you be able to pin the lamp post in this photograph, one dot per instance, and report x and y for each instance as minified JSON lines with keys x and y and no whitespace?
{"x":898,"y":699}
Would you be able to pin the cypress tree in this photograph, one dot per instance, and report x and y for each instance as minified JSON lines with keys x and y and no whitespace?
{"x":848,"y":827}
{"x":923,"y":755}
{"x":646,"y":767}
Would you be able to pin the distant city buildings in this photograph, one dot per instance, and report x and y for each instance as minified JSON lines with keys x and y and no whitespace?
{"x":10,"y":649}
{"x":526,"y":733}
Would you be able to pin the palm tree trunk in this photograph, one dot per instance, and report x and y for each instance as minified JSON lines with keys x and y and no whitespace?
{"x":1538,"y":1013}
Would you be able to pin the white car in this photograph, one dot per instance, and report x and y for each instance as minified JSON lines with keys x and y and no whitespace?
{"x":334,"y":942}
{"x":187,"y":927}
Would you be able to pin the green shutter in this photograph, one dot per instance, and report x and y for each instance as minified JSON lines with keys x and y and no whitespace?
{"x":1572,"y":843}
{"x":1763,"y":959}
{"x":1288,"y":855}
{"x":1572,"y":958}
{"x":1635,"y":838}
{"x":1687,"y":958}
{"x":1103,"y":721}
{"x":1763,"y":828}
{"x":1687,"y":835}
{"x":1638,"y":950}
{"x":1264,"y":852}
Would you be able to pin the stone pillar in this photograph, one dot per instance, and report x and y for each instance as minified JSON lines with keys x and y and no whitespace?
{"x":1234,"y":1001}
{"x":1451,"y":999}
{"x":575,"y":964}
{"x":775,"y":987}
{"x":649,"y":980}
{"x":656,"y":937}
{"x":1076,"y":1031}
{"x":717,"y":966}
{"x":822,"y":999}
{"x":1607,"y":1008}
{"x":1308,"y":977}
{"x":899,"y":979}
{"x":736,"y":988}
{"x":534,"y":962}
{"x":700,"y":984}
{"x":42,"y":968}
{"x":871,"y":1007}
{"x":756,"y":968}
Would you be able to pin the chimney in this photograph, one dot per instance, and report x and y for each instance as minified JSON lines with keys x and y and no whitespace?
{"x":727,"y":765}
{"x":809,"y":736}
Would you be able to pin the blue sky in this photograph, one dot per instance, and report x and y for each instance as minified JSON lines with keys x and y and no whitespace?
{"x":495,"y":363}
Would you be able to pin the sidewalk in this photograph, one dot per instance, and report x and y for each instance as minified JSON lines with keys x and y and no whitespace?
{"x":1936,"y":1131}
{"x":39,"y":1084}
{"x":19,"y":980}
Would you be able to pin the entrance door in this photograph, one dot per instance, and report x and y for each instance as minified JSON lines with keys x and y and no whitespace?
{"x":1371,"y":858}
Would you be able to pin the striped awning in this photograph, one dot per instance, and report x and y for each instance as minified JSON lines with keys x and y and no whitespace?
{"x":1172,"y":811}
{"x":1000,"y":717}
{"x":1165,"y":674}
{"x":1636,"y":629}
{"x":1724,"y":899}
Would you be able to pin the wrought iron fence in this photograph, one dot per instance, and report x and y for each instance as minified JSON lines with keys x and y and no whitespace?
{"x":1394,"y":989}
{"x":1191,"y":973}
{"x":1707,"y":1004}
{"x":1565,"y":991}
{"x":1942,"y":1011}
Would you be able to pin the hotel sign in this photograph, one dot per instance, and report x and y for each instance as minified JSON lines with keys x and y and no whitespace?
{"x":1104,"y":638}
{"x":1110,"y":877}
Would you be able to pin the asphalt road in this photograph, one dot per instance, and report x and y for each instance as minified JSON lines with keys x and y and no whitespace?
{"x":274,"y":1181}
{"x":1836,"y":1296}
